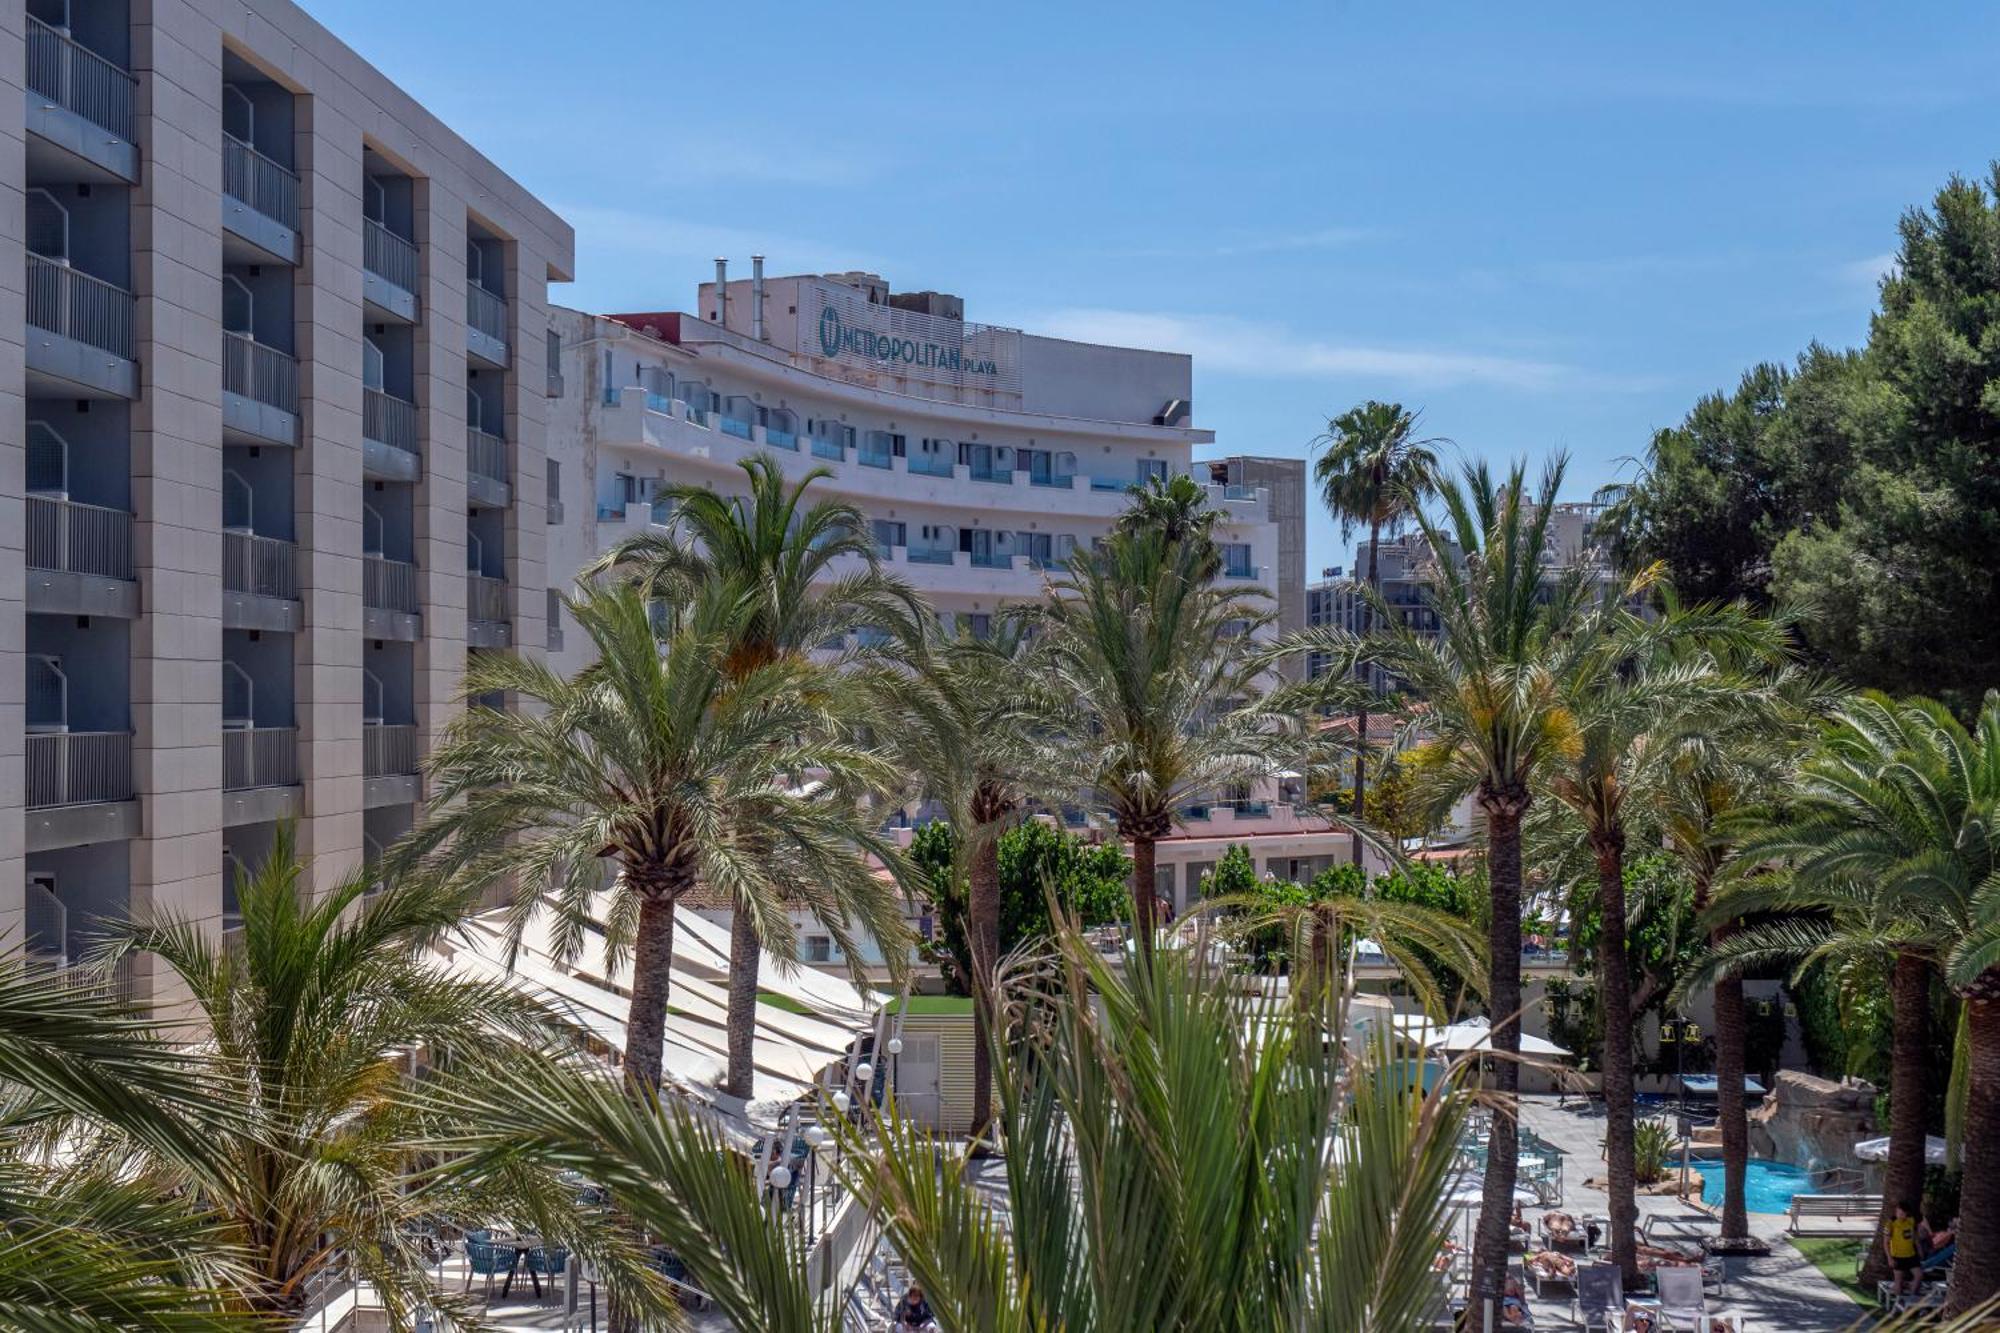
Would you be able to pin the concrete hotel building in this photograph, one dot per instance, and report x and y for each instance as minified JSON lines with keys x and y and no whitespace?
{"x":271,"y":455}
{"x":980,"y":454}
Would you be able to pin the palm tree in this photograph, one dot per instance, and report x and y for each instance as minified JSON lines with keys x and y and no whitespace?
{"x":1376,"y":472}
{"x":1147,"y":686}
{"x":314,"y":1022}
{"x":784,"y":559}
{"x":1147,"y":1115}
{"x":1495,"y":715}
{"x":1177,"y":509}
{"x":963,"y":735}
{"x":666,"y":760}
{"x":1887,"y":840}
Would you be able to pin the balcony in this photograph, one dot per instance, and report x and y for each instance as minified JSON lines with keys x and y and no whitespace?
{"x":486,"y":612}
{"x":260,"y":393}
{"x":738,"y":427}
{"x":389,"y":273}
{"x":260,"y":757}
{"x":486,"y":469}
{"x":79,"y":789}
{"x":836,"y":451}
{"x":991,"y":560}
{"x":80,"y":110}
{"x":260,"y":206}
{"x":1247,"y":572}
{"x":260,"y":583}
{"x":486,"y":325}
{"x":389,"y":600}
{"x":937,"y":555}
{"x":79,"y":559}
{"x":80,"y":334}
{"x":389,"y":438}
{"x":388,"y":764}
{"x":930,"y":465}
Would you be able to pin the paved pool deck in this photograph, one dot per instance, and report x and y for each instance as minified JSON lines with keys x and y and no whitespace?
{"x":1779,"y":1293}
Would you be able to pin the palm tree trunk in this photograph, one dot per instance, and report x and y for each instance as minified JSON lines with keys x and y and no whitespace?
{"x":1975,"y":1276}
{"x":1903,"y":1173}
{"x":1503,"y":941}
{"x":1361,"y":713}
{"x":646,"y":1016}
{"x":745,"y":956}
{"x":1143,"y":880}
{"x":984,"y":937}
{"x":1731,"y":1039}
{"x":1614,"y":997}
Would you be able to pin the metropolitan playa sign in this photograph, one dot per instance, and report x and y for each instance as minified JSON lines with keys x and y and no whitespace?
{"x":841,"y":325}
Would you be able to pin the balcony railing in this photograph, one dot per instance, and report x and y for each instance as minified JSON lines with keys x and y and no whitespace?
{"x":389,"y":420}
{"x":921,"y":555}
{"x":833,"y":449}
{"x":255,"y":180}
{"x":780,"y":438}
{"x":79,"y":768}
{"x":486,"y":599}
{"x":387,"y":255}
{"x":258,"y":372}
{"x":991,"y":560}
{"x":930,"y":465}
{"x":70,"y":303}
{"x":259,"y":757}
{"x":1061,"y":481}
{"x":388,"y":749}
{"x":736,"y":426}
{"x":388,"y":585}
{"x":73,"y":76}
{"x":485,"y":455}
{"x":874,"y":455}
{"x":261,"y":566}
{"x":485,"y":311}
{"x":987,"y":472}
{"x":79,"y":538}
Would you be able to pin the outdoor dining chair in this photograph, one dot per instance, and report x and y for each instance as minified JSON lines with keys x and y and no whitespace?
{"x":1682,"y":1300}
{"x":1600,"y":1296}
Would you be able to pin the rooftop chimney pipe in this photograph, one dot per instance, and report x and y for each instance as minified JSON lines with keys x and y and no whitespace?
{"x":722,"y":291}
{"x":757,"y":297}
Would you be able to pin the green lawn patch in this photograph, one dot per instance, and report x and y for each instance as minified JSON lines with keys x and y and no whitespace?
{"x":1836,"y":1257}
{"x":933,"y":1004}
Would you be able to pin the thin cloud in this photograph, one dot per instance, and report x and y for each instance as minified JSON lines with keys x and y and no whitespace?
{"x":628,"y":235}
{"x":1268,"y":351}
{"x":1867,"y":274}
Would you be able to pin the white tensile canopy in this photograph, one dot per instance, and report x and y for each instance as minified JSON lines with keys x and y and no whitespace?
{"x":792,"y":1045}
{"x":1877,"y":1150}
{"x":1471,"y":1034}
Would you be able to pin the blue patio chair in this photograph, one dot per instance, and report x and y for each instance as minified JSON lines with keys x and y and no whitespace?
{"x":547,"y":1262}
{"x":487,"y":1260}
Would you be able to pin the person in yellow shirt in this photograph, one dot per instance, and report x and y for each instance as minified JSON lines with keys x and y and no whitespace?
{"x":1899,"y":1238}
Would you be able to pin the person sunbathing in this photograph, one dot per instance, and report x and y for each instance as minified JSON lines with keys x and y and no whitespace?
{"x":1560,"y":1227}
{"x":1442,"y":1263}
{"x":1518,"y":1223}
{"x":1552,"y":1266}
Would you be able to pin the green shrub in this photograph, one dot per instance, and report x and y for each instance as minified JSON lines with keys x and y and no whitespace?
{"x":1652,"y":1149}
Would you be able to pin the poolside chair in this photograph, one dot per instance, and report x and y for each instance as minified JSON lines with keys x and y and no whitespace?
{"x":485,"y":1259}
{"x":1682,"y":1300}
{"x":1600,"y":1296}
{"x":1544,"y":1280}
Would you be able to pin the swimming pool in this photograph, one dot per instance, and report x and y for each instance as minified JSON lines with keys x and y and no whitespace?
{"x":1768,"y":1186}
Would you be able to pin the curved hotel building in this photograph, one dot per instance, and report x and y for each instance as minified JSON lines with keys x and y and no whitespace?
{"x":980,"y":454}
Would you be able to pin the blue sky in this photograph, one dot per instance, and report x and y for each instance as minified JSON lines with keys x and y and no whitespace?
{"x":1548,"y":225}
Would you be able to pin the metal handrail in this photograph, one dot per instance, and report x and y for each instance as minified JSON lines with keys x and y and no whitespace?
{"x":79,"y":538}
{"x":72,"y":304}
{"x":485,"y":454}
{"x":72,"y":75}
{"x":260,"y":757}
{"x":486,"y":599}
{"x":262,"y":566}
{"x":259,"y":372}
{"x":388,"y":256}
{"x":388,"y":585}
{"x":263,"y":184}
{"x":486,"y":311}
{"x":389,"y":420}
{"x":79,"y":768}
{"x":388,"y":749}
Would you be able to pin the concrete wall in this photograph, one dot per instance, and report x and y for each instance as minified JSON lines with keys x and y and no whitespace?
{"x":1101,"y":383}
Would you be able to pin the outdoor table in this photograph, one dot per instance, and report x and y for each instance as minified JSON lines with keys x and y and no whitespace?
{"x":520,"y":1245}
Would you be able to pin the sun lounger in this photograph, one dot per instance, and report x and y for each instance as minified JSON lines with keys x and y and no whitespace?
{"x":1600,"y":1296}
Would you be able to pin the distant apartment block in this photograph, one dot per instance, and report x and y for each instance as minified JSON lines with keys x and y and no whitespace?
{"x":273,"y":452}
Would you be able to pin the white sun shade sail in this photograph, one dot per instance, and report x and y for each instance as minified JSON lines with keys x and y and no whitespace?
{"x":789,"y":1050}
{"x":1472,"y":1034}
{"x":1877,"y":1150}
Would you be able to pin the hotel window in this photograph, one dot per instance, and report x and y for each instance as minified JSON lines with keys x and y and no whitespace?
{"x":888,"y":534}
{"x":1152,"y":469}
{"x":1236,"y":560}
{"x":819,"y":949}
{"x":555,"y":481}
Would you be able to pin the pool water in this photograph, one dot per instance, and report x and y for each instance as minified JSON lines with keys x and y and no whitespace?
{"x":1768,"y":1186}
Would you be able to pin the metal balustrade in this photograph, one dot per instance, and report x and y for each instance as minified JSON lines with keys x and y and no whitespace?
{"x":920,"y":555}
{"x":79,"y":538}
{"x":259,"y":757}
{"x":486,"y":599}
{"x":389,"y":420}
{"x":388,"y":749}
{"x":485,"y":311}
{"x":79,"y":768}
{"x":259,"y":182}
{"x":485,"y":455}
{"x":262,"y":566}
{"x":258,"y":372}
{"x":71,"y":304}
{"x":388,"y":256}
{"x":75,"y":77}
{"x":929,"y":465}
{"x":388,"y":585}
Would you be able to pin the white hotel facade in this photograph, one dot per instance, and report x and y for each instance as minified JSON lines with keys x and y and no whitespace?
{"x":981,"y":456}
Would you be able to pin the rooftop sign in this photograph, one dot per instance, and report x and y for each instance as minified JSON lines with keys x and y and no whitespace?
{"x":841,"y":325}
